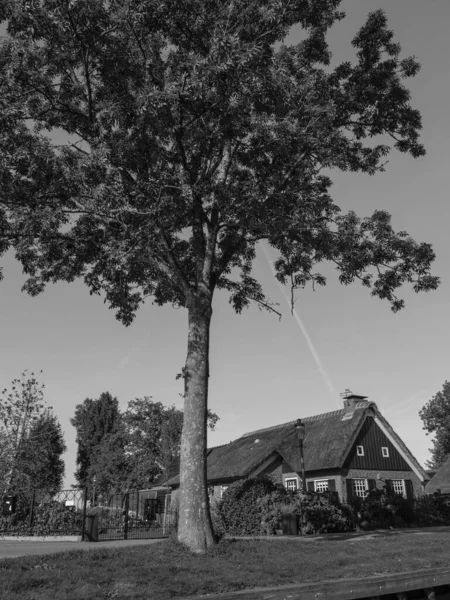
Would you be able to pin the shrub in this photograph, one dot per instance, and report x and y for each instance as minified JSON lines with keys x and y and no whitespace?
{"x":55,"y":518}
{"x":52,"y":518}
{"x":432,"y":509}
{"x":11,"y":525}
{"x":272,"y":507}
{"x":240,"y":508}
{"x":256,"y":507}
{"x":322,"y":513}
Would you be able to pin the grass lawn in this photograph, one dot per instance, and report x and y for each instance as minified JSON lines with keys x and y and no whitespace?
{"x":167,"y":570}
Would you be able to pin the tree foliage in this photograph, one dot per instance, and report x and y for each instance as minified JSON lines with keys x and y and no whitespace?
{"x":153,"y":439}
{"x":21,"y":409}
{"x":40,"y":464}
{"x":435,"y":415}
{"x":93,"y":420}
{"x":130,"y":449}
{"x":31,"y":439}
{"x":182,"y":115}
{"x":194,"y":133}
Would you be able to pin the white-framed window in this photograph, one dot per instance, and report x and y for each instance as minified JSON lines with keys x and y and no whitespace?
{"x":291,"y":484}
{"x":398,"y":487}
{"x":360,"y":487}
{"x":222,"y":489}
{"x":385,"y":451}
{"x":321,"y":485}
{"x":360,"y":450}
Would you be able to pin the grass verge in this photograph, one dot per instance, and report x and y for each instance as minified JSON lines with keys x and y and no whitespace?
{"x":167,"y":570}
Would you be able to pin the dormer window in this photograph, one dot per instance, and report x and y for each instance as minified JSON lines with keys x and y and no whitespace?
{"x":385,"y":452}
{"x":360,"y":450}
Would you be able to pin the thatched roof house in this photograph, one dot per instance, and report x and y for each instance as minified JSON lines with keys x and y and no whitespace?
{"x":349,"y":451}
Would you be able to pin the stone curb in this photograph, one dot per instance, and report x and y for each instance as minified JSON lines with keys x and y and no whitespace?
{"x":41,"y":538}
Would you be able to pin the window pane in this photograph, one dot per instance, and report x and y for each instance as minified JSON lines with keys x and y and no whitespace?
{"x":360,"y":487}
{"x":291,"y":484}
{"x":398,"y":486}
{"x":321,"y":485}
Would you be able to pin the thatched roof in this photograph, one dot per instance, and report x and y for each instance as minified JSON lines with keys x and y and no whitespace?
{"x":328,"y":439}
{"x":441,"y":480}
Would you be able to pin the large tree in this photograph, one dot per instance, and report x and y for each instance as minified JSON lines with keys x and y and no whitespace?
{"x":193,"y":134}
{"x":94,"y":419}
{"x":435,"y":415}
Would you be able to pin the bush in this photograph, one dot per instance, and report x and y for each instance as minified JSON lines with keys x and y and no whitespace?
{"x":55,"y":518}
{"x":11,"y":525}
{"x":381,"y":508}
{"x":432,"y":510}
{"x":52,"y":518}
{"x":240,"y":508}
{"x":322,"y":513}
{"x":256,"y":507}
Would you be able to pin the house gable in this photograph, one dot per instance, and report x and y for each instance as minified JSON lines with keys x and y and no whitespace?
{"x":370,"y":441}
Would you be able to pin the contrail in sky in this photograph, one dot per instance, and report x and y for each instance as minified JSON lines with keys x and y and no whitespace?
{"x":302,"y":327}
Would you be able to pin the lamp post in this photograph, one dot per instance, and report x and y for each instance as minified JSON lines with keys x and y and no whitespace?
{"x":300,"y":428}
{"x":94,"y":481}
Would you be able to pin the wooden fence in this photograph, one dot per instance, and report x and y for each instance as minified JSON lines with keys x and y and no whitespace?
{"x":434,"y":584}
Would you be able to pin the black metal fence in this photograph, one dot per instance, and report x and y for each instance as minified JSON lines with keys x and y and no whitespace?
{"x":133,"y":515}
{"x":40,"y":513}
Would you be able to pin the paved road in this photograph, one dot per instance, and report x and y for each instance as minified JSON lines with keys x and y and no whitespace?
{"x":13,"y":548}
{"x":352,"y":536}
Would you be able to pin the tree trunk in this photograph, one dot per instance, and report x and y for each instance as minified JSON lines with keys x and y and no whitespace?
{"x":194,"y":525}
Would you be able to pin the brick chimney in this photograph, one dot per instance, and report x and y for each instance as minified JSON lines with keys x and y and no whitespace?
{"x":351,"y":400}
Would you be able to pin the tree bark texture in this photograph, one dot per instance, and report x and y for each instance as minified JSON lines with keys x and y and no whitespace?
{"x":194,"y":526}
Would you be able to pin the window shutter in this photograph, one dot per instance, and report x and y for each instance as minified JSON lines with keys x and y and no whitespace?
{"x":388,"y":484}
{"x":372,"y":484}
{"x":310,"y":486}
{"x":331,"y":485}
{"x":409,"y":490}
{"x":349,"y":483}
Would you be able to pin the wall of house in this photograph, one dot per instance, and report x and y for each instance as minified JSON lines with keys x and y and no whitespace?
{"x":388,"y":474}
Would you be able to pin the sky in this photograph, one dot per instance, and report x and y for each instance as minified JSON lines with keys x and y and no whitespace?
{"x":266,"y":371}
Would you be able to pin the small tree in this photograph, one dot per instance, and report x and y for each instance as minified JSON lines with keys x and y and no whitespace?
{"x":109,"y":464}
{"x":128,"y":450}
{"x":20,"y":412}
{"x":194,"y":133}
{"x":93,"y":420}
{"x":39,"y":463}
{"x":435,"y":415}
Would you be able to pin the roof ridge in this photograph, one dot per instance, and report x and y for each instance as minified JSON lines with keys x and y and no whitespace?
{"x":219,"y":446}
{"x":305,"y":420}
